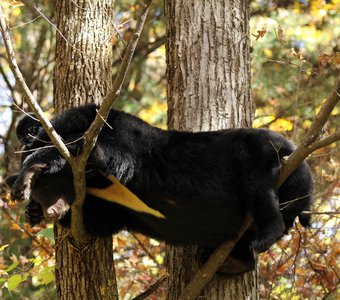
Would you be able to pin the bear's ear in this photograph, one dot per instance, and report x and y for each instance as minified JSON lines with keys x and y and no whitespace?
{"x":11,"y":179}
{"x":27,"y":129}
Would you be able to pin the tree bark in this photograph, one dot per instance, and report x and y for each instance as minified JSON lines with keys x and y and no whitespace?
{"x":208,"y":75}
{"x":84,"y":270}
{"x":83,"y":52}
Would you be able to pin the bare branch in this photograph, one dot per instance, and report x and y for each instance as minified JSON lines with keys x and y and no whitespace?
{"x":78,"y":164}
{"x":31,"y":7}
{"x":151,"y":289}
{"x":306,"y":212}
{"x":55,"y":138}
{"x":333,"y":138}
{"x":146,"y":49}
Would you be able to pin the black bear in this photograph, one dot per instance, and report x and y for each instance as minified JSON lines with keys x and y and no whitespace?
{"x":196,"y":187}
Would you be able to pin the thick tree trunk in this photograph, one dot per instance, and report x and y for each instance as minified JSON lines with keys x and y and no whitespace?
{"x":83,"y":75}
{"x":208,"y":88}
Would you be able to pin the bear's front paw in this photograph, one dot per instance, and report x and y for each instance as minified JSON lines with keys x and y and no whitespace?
{"x":21,"y":189}
{"x":33,"y":213}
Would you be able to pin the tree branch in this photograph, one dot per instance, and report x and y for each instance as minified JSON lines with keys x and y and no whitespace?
{"x":146,"y":49}
{"x":321,"y":212}
{"x":31,"y":7}
{"x":333,"y":138}
{"x":33,"y":104}
{"x":77,"y":163}
{"x":152,"y":288}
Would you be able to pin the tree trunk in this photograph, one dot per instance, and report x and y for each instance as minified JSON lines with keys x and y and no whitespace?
{"x":208,"y":89}
{"x":82,"y":76}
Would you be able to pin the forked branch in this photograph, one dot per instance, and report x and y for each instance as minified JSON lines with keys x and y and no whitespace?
{"x":77,"y":163}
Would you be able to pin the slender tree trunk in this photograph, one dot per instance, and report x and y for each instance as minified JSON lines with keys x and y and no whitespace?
{"x":83,"y":75}
{"x":208,"y":88}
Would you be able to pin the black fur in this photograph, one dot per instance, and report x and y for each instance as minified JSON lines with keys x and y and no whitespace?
{"x":204,"y":183}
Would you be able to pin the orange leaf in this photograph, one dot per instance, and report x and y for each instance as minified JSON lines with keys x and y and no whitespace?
{"x":260,"y":33}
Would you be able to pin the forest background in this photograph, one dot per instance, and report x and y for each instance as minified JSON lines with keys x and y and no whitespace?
{"x":295,"y":62}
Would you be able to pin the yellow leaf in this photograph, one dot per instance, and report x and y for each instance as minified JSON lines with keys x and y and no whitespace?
{"x":263,"y":120}
{"x":3,"y":247}
{"x":268,"y":52}
{"x":281,"y":125}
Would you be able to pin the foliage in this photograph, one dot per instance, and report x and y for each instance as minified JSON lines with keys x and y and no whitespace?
{"x":295,"y":60}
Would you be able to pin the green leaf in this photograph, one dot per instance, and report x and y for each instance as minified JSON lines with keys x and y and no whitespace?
{"x":11,"y":267}
{"x":25,"y":276}
{"x":3,"y":279}
{"x":46,"y":275}
{"x":47,"y":233}
{"x":13,"y":282}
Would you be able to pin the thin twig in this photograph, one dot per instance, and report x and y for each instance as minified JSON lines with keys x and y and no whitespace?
{"x":146,"y":49}
{"x":152,"y":288}
{"x":306,"y":212}
{"x":32,"y":236}
{"x":145,"y":249}
{"x":24,"y":112}
{"x":106,"y":123}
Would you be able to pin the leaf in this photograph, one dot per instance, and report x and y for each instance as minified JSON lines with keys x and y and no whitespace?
{"x":297,"y":55}
{"x":3,"y":247}
{"x":260,"y":33}
{"x":46,"y":275}
{"x":47,"y":233}
{"x":335,"y":59}
{"x":280,"y":34}
{"x":324,"y":59}
{"x":281,"y":125}
{"x":13,"y":282}
{"x":3,"y":279}
{"x":11,"y":267}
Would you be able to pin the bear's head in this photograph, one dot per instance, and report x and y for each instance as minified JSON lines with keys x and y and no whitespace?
{"x":54,"y":193}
